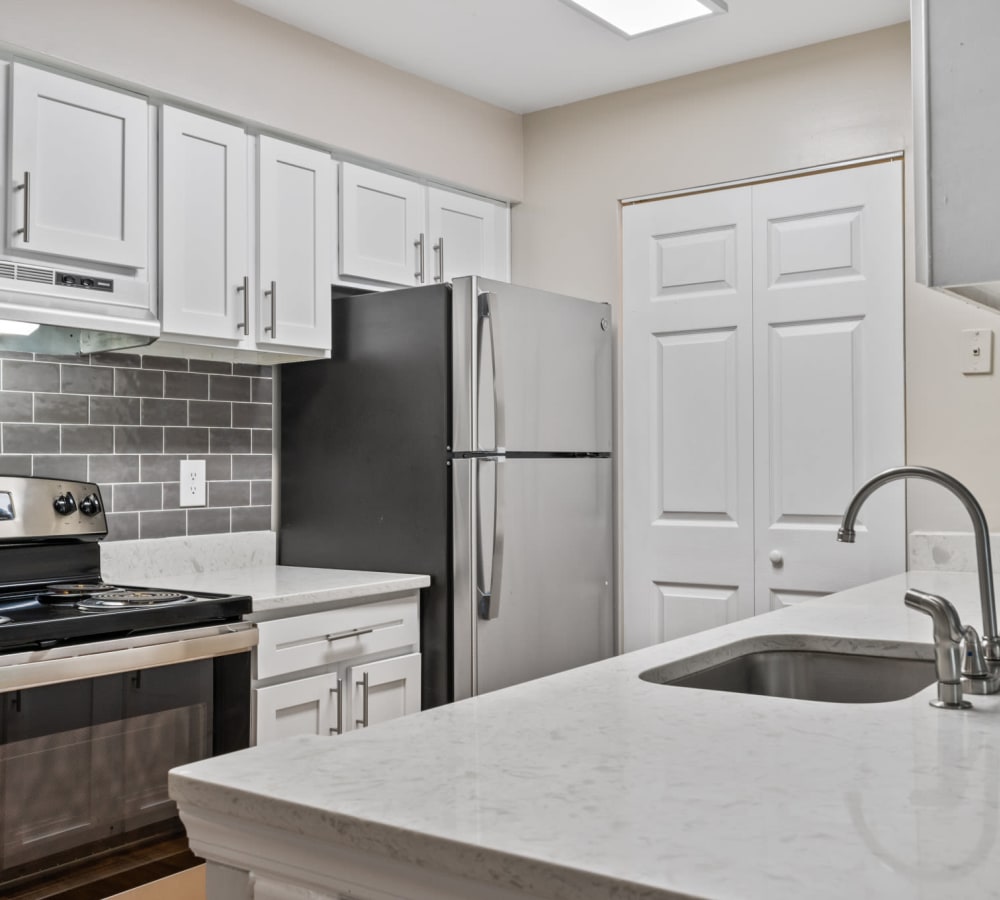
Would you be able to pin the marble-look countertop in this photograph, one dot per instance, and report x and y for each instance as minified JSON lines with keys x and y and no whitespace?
{"x":593,"y":783}
{"x":290,"y":590}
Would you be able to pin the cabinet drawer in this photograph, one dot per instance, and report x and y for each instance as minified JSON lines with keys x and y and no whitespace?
{"x":318,"y":639}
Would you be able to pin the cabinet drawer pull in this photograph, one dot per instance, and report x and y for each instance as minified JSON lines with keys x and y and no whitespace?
{"x":363,"y":721}
{"x":357,"y":632}
{"x":26,"y":187}
{"x":419,"y":244}
{"x":338,"y":690}
{"x":273,"y":294}
{"x":245,"y":288}
{"x":439,"y":249}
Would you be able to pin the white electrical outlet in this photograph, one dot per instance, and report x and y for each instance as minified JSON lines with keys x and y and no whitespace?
{"x":977,"y":354}
{"x":192,"y":482}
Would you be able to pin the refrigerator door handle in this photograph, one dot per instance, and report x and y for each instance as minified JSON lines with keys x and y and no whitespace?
{"x":489,"y":595}
{"x":488,"y":311}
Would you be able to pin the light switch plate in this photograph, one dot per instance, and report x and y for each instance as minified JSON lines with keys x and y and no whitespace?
{"x":192,"y":482}
{"x":977,"y":351}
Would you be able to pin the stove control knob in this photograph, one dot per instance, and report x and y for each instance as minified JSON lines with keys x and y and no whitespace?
{"x":90,"y":505}
{"x":64,"y":504}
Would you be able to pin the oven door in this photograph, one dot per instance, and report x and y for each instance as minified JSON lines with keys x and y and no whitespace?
{"x":88,"y":734}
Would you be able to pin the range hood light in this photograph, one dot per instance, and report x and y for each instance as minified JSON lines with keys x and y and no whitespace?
{"x":631,"y":18}
{"x":9,"y":326}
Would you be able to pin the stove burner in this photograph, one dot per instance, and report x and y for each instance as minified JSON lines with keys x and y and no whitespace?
{"x":122,"y":599}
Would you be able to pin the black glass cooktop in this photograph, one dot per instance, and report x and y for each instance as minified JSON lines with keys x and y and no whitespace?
{"x":52,"y":614}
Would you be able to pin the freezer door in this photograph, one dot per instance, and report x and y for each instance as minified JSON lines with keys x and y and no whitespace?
{"x":534,"y":591}
{"x":542,"y":367}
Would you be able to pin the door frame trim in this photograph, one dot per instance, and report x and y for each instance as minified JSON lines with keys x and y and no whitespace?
{"x":765,"y":179}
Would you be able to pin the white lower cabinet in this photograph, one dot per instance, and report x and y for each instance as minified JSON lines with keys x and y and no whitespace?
{"x":302,"y":706}
{"x":383,"y":690}
{"x":329,"y":672}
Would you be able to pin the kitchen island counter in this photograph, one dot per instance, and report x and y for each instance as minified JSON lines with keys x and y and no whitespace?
{"x":593,"y":783}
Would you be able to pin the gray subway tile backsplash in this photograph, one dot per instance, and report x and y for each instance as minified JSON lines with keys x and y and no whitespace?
{"x":88,"y":439}
{"x":88,"y":380}
{"x":21,"y":375}
{"x":126,"y":421}
{"x":61,"y":408}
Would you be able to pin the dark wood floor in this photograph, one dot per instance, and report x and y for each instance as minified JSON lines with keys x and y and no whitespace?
{"x":110,"y":874}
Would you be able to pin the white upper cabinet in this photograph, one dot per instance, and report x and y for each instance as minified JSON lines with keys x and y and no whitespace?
{"x":205,"y":227}
{"x":78,"y":169}
{"x":381,"y":226}
{"x":467,"y":235}
{"x":401,"y":232}
{"x":295,"y":244}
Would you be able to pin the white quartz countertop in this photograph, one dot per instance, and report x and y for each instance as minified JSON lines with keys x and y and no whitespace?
{"x":284,"y":590}
{"x":593,"y":783}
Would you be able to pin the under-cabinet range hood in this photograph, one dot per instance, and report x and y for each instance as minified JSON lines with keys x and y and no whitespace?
{"x":48,"y":310}
{"x":956,"y":124}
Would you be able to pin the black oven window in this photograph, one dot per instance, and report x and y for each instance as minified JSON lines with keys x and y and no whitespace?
{"x":83,"y":765}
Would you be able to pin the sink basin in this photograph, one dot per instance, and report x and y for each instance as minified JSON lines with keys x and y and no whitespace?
{"x":800,"y":674}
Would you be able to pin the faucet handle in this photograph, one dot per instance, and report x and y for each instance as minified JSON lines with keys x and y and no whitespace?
{"x":975,"y":659}
{"x":948,"y":637}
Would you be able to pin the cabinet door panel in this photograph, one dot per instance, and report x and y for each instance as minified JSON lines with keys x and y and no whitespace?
{"x":303,"y":706}
{"x":391,"y":690}
{"x":381,"y":220}
{"x":86,"y":150}
{"x":467,"y":235}
{"x":296,"y":245}
{"x":204,"y":235}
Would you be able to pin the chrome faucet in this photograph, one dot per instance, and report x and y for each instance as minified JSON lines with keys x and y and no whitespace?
{"x":987,"y":598}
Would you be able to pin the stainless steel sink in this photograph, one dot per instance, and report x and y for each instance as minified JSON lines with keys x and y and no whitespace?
{"x":797,"y":674}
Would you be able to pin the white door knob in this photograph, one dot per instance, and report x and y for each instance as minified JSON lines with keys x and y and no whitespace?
{"x":776,"y":558}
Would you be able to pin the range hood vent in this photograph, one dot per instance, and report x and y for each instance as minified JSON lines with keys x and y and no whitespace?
{"x":956,"y":125}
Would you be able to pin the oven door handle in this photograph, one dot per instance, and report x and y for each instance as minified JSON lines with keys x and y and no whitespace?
{"x":125,"y":655}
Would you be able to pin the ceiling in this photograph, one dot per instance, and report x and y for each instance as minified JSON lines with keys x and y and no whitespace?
{"x":526,"y":55}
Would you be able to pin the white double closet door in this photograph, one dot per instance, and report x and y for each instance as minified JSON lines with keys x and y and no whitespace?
{"x":762,"y":361}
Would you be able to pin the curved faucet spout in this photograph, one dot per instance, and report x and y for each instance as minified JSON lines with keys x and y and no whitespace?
{"x":984,"y":562}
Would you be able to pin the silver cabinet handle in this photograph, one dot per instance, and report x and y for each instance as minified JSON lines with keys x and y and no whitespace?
{"x":419,"y":244}
{"x":357,"y":632}
{"x":363,"y":721}
{"x":25,"y":186}
{"x":245,"y":288}
{"x":489,"y":595}
{"x":439,"y":250}
{"x":488,"y":311}
{"x":339,"y":691}
{"x":273,"y":294}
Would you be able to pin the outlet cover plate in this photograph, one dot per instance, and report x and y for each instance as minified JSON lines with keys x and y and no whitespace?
{"x":192,"y":482}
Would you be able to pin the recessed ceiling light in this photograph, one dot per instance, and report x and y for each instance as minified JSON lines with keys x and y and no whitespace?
{"x":630,"y":18}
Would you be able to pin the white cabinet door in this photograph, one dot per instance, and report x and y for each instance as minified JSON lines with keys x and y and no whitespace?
{"x":467,"y":236}
{"x":828,"y":379}
{"x":205,"y":227}
{"x":78,"y":169}
{"x":381,"y":227}
{"x":384,"y":690}
{"x":687,"y":371}
{"x":295,"y":217}
{"x":303,"y":706}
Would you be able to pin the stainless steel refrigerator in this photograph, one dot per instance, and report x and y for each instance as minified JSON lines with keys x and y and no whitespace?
{"x":463,"y":430}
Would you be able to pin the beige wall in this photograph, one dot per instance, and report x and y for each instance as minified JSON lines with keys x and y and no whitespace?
{"x":221,"y":55}
{"x":835,"y":101}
